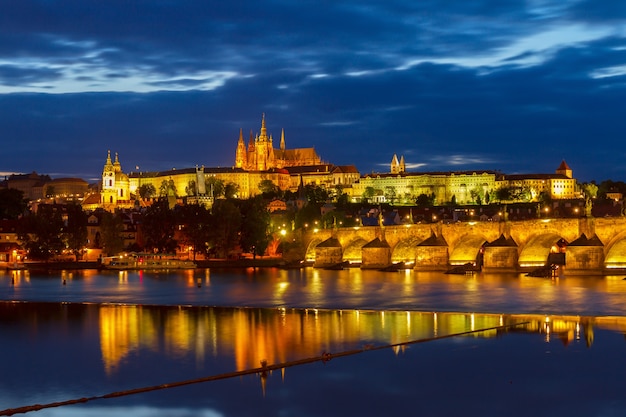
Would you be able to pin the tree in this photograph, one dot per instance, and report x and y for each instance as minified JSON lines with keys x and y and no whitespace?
{"x":75,"y":230}
{"x":504,"y":194}
{"x":590,"y":190}
{"x":368,"y":194}
{"x":315,"y":193}
{"x":255,"y":222}
{"x":231,"y":190}
{"x":390,"y":194}
{"x":215,"y":187}
{"x":111,"y":229}
{"x":226,"y":226}
{"x":308,"y":215}
{"x":167,"y":188}
{"x":343,"y":199}
{"x":195,"y":221}
{"x":477,"y":195}
{"x":12,"y":203}
{"x":609,"y":186}
{"x":159,"y":225}
{"x":41,"y":233}
{"x":146,"y":191}
{"x":190,"y":189}
{"x":424,"y":200}
{"x":268,"y":188}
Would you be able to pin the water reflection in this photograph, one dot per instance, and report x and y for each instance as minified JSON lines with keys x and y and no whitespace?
{"x":70,"y":350}
{"x":246,"y":336}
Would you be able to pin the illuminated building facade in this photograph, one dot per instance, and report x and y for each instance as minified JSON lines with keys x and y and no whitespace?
{"x":467,"y":187}
{"x":560,"y":185}
{"x":407,"y":186}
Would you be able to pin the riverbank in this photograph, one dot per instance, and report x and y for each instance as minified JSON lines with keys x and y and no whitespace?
{"x":208,"y":263}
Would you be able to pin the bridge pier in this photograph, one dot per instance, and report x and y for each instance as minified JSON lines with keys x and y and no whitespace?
{"x":328,"y":253}
{"x":598,"y":245}
{"x":376,"y":254}
{"x":432,"y":254}
{"x":501,"y":255}
{"x":585,"y":256}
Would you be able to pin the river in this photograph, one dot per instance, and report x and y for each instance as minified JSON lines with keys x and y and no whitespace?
{"x":553,"y":345}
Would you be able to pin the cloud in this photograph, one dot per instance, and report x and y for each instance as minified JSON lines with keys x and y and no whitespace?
{"x":484,"y":84}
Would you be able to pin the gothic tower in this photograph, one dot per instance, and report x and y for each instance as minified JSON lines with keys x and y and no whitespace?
{"x":241,"y":156}
{"x":262,"y":146}
{"x":395,"y":165}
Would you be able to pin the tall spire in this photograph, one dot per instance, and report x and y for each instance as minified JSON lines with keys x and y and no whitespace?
{"x":394,"y":164}
{"x":241,"y":159}
{"x":263,"y":128}
{"x":108,"y":162}
{"x":282,"y":140}
{"x":116,"y":164}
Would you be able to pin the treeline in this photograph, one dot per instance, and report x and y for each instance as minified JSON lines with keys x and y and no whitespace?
{"x":56,"y":229}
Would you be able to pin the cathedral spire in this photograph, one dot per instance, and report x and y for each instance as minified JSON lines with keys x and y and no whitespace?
{"x":241,"y":157}
{"x":263,"y":128}
{"x":282,"y":140}
{"x":108,"y":162}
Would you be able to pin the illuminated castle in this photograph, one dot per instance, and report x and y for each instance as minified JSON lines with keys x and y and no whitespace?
{"x":260,"y":154}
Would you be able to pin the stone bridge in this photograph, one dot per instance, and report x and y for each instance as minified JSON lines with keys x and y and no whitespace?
{"x":585,"y":245}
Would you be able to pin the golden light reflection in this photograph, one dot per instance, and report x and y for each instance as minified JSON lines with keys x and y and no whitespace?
{"x":20,"y":277}
{"x":280,"y":335}
{"x":122,"y":277}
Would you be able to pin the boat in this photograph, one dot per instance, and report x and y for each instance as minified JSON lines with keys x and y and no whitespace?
{"x":545,"y":271}
{"x":146,"y":261}
{"x":395,"y":267}
{"x":468,"y":268}
{"x":337,"y":266}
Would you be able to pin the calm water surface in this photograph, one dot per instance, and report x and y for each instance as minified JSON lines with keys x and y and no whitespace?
{"x":67,"y":335}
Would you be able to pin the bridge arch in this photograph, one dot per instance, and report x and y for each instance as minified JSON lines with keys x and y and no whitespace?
{"x":536,"y":250}
{"x":310,"y":250}
{"x":404,"y":250}
{"x":352,"y":251}
{"x":615,"y":252}
{"x":467,"y":249}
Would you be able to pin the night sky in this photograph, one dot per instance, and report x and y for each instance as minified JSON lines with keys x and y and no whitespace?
{"x":514,"y":86}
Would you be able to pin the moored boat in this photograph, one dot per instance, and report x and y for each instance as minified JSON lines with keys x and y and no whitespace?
{"x":145,"y":261}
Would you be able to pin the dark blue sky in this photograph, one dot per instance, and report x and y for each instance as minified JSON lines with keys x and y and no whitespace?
{"x":451,"y":85}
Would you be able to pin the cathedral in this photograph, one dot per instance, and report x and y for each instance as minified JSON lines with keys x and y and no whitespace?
{"x":260,"y":154}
